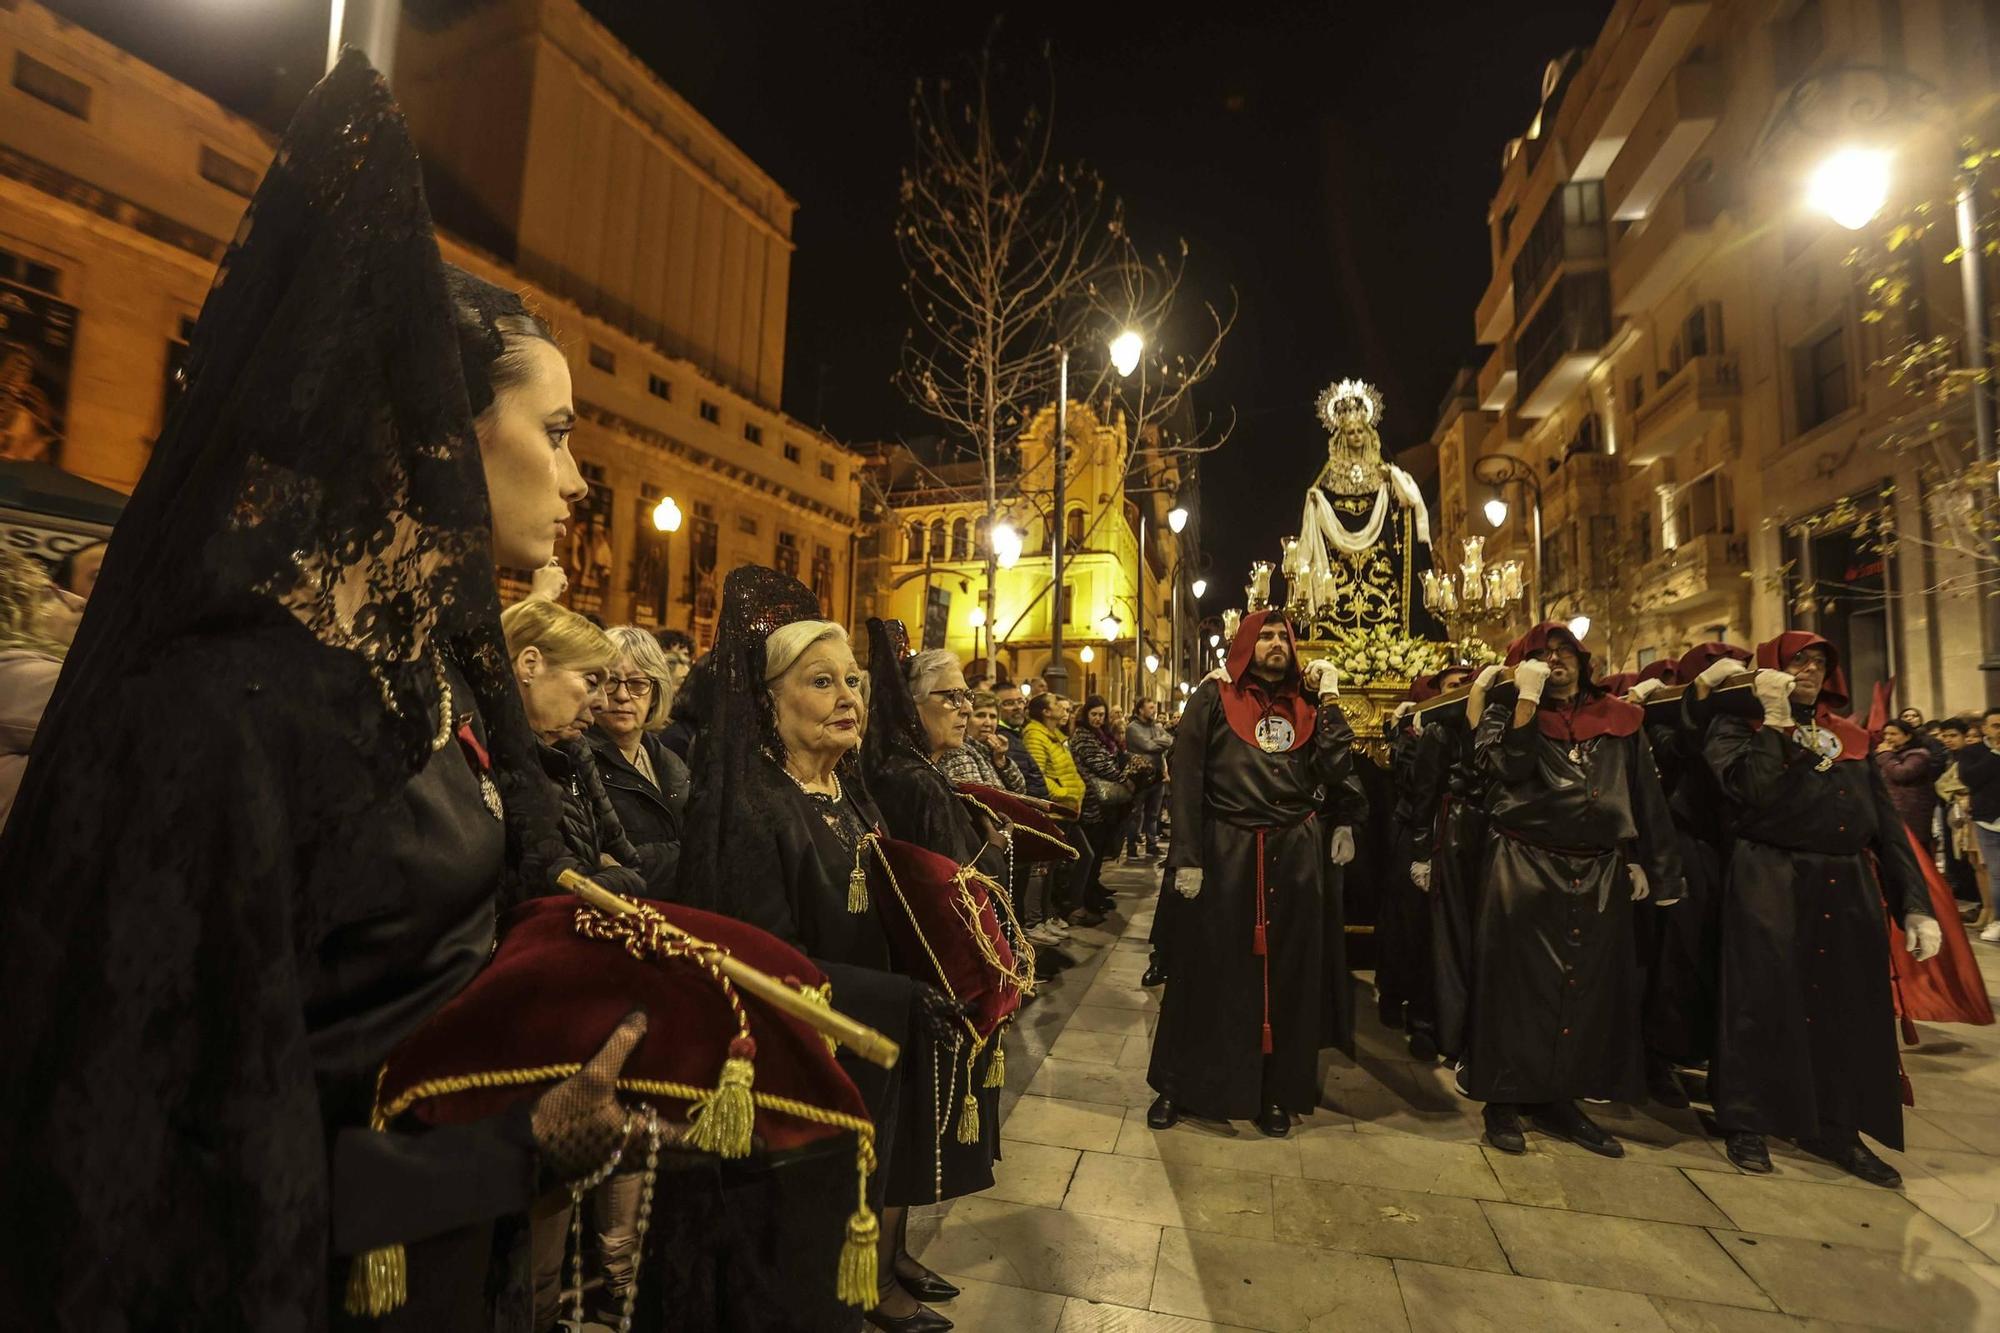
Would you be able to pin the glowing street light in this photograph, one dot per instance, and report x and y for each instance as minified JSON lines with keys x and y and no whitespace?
{"x":1177,"y":518}
{"x":1026,"y":690}
{"x":1215,"y":640}
{"x":1108,"y":627}
{"x":977,"y":618}
{"x":1850,"y":186}
{"x":1496,"y":511}
{"x":1579,"y":626}
{"x":1125,"y":349}
{"x":1006,"y":545}
{"x":1152,"y":662}
{"x":667,"y":515}
{"x":1198,"y":587}
{"x":1087,"y":654}
{"x":1185,"y":688}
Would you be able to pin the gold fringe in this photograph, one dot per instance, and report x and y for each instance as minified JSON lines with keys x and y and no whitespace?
{"x":857,"y":882}
{"x":859,"y":1267}
{"x":377,"y":1282}
{"x":723,"y":1119}
{"x":968,"y":1119}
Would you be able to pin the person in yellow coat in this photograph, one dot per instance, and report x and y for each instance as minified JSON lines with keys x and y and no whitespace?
{"x":1048,"y":746}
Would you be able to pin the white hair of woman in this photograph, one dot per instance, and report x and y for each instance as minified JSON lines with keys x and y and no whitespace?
{"x":644,"y":650}
{"x":788,"y":643}
{"x":923,"y":670}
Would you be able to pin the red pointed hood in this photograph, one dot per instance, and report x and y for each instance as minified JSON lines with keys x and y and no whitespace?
{"x":1705,"y":655}
{"x":1592,"y":712}
{"x":1247,"y":700}
{"x":1772,"y":654}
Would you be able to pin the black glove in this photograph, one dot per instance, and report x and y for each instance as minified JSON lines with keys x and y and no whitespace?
{"x":623,"y":881}
{"x":943,"y":1017}
{"x":580,"y":1122}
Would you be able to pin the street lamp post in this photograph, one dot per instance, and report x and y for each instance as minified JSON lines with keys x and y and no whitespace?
{"x":1125,"y":349}
{"x":1497,"y":470}
{"x":666,"y":521}
{"x":369,"y":25}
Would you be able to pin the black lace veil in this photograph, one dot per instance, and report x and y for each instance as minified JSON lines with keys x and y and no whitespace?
{"x":729,"y":764}
{"x":894,"y":728}
{"x":258,"y":663}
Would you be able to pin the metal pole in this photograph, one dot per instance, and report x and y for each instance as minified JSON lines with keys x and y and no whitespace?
{"x":1174,"y":633}
{"x":1535,"y":489}
{"x":1978,"y":360}
{"x":1057,"y":677}
{"x":1139,"y":614}
{"x":370,"y":26}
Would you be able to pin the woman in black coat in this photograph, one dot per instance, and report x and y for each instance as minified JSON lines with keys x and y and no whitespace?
{"x":647,"y":782}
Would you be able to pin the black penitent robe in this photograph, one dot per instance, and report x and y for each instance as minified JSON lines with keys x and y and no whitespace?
{"x":1681,"y":948}
{"x":1555,"y":1012}
{"x":1231,"y":800}
{"x":1807,"y":1039}
{"x":1456,"y":850}
{"x":1403,"y":964}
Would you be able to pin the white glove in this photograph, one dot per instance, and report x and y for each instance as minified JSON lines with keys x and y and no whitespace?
{"x":1488,"y":676}
{"x":548,"y":582}
{"x":1405,"y":708}
{"x":1342,"y":850}
{"x":1187,"y":881}
{"x":1640,"y":888}
{"x":1220,"y":673}
{"x":1922,"y":937}
{"x":1531,"y":677}
{"x":1420,"y":875}
{"x":1645,"y":690}
{"x":1721,"y":669}
{"x":1315,"y":675}
{"x":1774,"y":692}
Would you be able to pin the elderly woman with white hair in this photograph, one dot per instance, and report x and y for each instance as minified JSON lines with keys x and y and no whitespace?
{"x":646,"y":781}
{"x":777,"y":835}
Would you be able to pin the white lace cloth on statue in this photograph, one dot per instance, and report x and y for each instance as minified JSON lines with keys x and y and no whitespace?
{"x":1321,"y":532}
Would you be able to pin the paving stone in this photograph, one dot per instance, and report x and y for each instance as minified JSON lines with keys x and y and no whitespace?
{"x":1063,"y":1123}
{"x":1879,"y":1287}
{"x":1875,"y":1219}
{"x":1439,"y":1299}
{"x":1278,"y":1287}
{"x":1657,"y":1258}
{"x":1398,"y":1163}
{"x":1176,"y":1194}
{"x":1396,"y":1224}
{"x":1046,"y":1249}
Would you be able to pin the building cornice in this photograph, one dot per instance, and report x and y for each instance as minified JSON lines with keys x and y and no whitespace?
{"x":127,"y":213}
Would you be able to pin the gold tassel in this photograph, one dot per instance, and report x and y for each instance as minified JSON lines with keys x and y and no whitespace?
{"x":968,"y":1119}
{"x":858,"y":1264}
{"x":723,"y":1119}
{"x":857,"y":882}
{"x":996,"y":1073}
{"x":377,"y":1282}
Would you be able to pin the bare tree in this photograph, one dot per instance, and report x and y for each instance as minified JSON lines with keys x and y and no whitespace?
{"x":1011,"y":254}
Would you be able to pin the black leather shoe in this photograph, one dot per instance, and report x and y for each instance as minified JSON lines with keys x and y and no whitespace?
{"x":1274,"y":1123}
{"x":1565,"y":1121}
{"x":925,"y":1320}
{"x":926,"y":1285}
{"x":1748,"y":1152}
{"x":1854,"y":1158}
{"x":1423,"y":1045}
{"x":1156,"y":972}
{"x":1663,"y":1084}
{"x":1162,"y":1114}
{"x":1503,"y":1128}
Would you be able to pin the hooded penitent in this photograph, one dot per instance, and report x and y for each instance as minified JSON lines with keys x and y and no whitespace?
{"x":1592,"y":712}
{"x":1776,"y":654}
{"x":1272,"y":715}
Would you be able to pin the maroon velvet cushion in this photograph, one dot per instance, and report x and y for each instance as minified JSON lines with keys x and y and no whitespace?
{"x":550,"y":996}
{"x":942,"y":929}
{"x":1036,"y":836}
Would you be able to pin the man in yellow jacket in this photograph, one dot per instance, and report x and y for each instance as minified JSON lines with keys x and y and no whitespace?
{"x":1048,"y":746}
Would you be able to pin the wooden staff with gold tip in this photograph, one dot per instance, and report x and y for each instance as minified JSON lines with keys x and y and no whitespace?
{"x":863,"y":1040}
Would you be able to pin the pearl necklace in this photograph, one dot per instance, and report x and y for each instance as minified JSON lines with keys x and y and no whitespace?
{"x":801,"y":784}
{"x":445,"y":719}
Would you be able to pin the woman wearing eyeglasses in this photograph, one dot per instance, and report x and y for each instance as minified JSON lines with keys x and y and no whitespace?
{"x":646,"y":781}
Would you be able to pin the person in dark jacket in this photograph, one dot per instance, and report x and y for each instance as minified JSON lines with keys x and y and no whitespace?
{"x":688,"y":710}
{"x":1909,"y":769}
{"x":1979,"y":770}
{"x":647,"y":782}
{"x":1094,"y":746}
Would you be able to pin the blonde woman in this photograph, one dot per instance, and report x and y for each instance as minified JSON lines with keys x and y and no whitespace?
{"x":646,"y":781}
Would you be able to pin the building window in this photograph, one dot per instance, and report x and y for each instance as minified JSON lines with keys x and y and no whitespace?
{"x":791,"y":452}
{"x":230,"y":174}
{"x":913,"y":550}
{"x":602,"y":359}
{"x":787,"y":561}
{"x":1067,"y":611}
{"x":961,"y":539}
{"x":746,"y":525}
{"x":49,"y":85}
{"x":703,"y":509}
{"x":755,"y":434}
{"x":826,"y":470}
{"x":937,"y":539}
{"x":1073,"y":531}
{"x":982,"y":537}
{"x":822,"y":579}
{"x":25,"y":272}
{"x":659,"y":388}
{"x":1635,"y":391}
{"x":1819,"y":374}
{"x":711,"y":413}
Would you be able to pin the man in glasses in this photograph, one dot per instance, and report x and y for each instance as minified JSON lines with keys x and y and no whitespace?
{"x":1807,"y":1044}
{"x":1578,"y":836}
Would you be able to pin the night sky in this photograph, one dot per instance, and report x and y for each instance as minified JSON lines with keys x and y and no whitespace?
{"x":1330,"y":162}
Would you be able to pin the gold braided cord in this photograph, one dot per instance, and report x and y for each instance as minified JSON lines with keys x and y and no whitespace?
{"x":922,"y":939}
{"x":1018,"y":828}
{"x":646,"y":935}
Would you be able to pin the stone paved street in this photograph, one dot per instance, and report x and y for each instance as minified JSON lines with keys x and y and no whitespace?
{"x":1384,"y":1212}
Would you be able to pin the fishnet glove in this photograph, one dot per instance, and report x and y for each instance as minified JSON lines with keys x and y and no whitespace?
{"x":943,"y":1017}
{"x":579,"y":1122}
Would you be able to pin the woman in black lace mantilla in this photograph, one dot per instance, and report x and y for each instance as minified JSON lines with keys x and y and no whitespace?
{"x":284,"y":786}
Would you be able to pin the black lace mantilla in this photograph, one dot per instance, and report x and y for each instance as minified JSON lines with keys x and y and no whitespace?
{"x":255,"y":678}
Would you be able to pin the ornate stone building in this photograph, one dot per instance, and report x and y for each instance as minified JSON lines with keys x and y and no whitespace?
{"x":557,"y":164}
{"x":1681,"y":350}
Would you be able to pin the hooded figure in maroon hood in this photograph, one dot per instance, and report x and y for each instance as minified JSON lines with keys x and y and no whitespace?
{"x":1806,"y":1046}
{"x":1255,"y":758}
{"x":1578,"y":834}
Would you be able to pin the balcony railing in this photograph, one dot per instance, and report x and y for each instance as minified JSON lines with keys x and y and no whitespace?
{"x":1702,"y":391}
{"x":1705,"y":568}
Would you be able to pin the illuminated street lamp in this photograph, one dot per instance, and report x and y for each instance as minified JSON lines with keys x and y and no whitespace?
{"x":1125,"y":349}
{"x":1152,"y":662}
{"x":667,"y":515}
{"x":1851,"y":186}
{"x":1579,"y":626}
{"x":977,"y":618}
{"x":1496,"y":470}
{"x":1496,"y":511}
{"x":1006,"y":545}
{"x":1177,"y":518}
{"x":1087,"y":654}
{"x":1198,"y":587}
